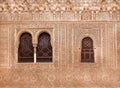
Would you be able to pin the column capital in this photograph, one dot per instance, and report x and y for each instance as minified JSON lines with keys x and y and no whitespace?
{"x":35,"y":45}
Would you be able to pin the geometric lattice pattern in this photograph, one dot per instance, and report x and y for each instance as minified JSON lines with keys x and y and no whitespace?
{"x":44,"y":48}
{"x":26,"y":50}
{"x":87,"y":53}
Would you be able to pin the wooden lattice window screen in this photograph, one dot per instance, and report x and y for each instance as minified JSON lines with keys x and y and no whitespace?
{"x":44,"y":48}
{"x":26,"y":50}
{"x":87,"y":52}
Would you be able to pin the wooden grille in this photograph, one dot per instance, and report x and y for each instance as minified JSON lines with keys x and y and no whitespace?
{"x":25,"y":50}
{"x":87,"y":52}
{"x":44,"y":48}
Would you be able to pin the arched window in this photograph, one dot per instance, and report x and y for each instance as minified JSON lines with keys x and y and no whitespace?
{"x":44,"y":48}
{"x":26,"y":50}
{"x":87,"y":52}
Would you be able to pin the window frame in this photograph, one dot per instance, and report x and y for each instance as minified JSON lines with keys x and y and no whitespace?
{"x":51,"y":57}
{"x":20,"y":31}
{"x":87,"y":50}
{"x":19,"y":57}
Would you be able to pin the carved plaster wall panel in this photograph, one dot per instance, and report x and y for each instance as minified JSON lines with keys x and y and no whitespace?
{"x":79,"y":34}
{"x":118,"y":43}
{"x":66,"y":70}
{"x":73,"y":33}
{"x":68,"y":22}
{"x":4,"y":47}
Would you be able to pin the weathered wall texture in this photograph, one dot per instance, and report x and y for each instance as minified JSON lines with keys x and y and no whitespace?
{"x":67,"y":27}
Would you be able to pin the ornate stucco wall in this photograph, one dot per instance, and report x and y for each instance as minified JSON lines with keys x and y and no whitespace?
{"x":68,"y":22}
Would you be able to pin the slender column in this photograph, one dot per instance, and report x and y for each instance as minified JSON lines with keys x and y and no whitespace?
{"x":35,"y":59}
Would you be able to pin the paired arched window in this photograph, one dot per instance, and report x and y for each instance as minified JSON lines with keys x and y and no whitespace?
{"x":26,"y":49}
{"x":87,"y":51}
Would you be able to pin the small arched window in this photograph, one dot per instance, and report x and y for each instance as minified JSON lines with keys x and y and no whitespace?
{"x":44,"y":48}
{"x":87,"y":52}
{"x":26,"y":50}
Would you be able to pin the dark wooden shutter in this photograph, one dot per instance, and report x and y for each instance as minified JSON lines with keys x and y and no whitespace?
{"x":87,"y":52}
{"x":26,"y":50}
{"x":44,"y":48}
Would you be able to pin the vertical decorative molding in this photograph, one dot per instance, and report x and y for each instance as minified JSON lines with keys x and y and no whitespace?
{"x":65,"y":45}
{"x":56,"y":44}
{"x":108,"y":46}
{"x":9,"y":44}
{"x":113,"y":46}
{"x":73,"y":46}
{"x":102,"y":38}
{"x":115,"y":40}
{"x":68,"y":45}
{"x":59,"y":45}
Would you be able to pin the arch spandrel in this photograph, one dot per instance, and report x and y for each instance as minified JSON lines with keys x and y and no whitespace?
{"x":21,"y":32}
{"x":42,"y":31}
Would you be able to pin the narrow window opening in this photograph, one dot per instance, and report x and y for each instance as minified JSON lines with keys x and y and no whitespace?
{"x":26,"y":50}
{"x":44,"y":48}
{"x":87,"y":52}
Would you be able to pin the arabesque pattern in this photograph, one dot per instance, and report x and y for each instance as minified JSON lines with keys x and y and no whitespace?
{"x":82,"y":9}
